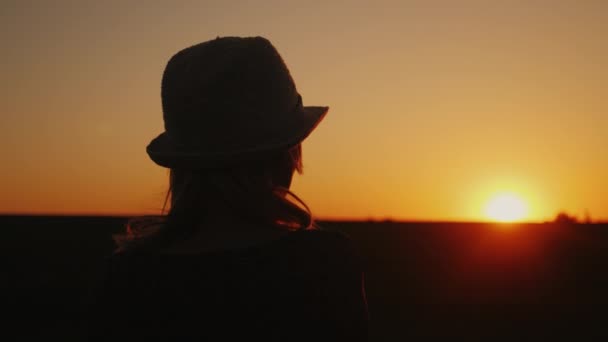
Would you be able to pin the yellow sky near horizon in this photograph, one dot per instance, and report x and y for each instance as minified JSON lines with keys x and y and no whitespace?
{"x":435,"y":107}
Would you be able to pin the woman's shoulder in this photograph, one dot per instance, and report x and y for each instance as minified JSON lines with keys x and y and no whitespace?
{"x":329,"y":239}
{"x":332,"y":246}
{"x":321,"y":234}
{"x":308,"y":242}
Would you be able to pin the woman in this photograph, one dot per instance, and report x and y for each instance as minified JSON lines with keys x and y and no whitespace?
{"x":237,"y":255}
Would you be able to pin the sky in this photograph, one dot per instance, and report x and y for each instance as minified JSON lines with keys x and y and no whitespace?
{"x":436,"y":107}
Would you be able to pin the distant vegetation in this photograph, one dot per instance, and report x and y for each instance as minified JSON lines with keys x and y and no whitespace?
{"x":564,"y":217}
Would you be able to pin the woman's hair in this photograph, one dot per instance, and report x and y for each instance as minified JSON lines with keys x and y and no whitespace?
{"x":256,"y":191}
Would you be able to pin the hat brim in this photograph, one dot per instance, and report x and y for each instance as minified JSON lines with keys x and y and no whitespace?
{"x":167,"y":153}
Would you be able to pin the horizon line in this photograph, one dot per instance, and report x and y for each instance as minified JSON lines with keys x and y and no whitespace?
{"x":320,"y":219}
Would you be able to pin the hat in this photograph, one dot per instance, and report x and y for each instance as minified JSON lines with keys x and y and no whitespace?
{"x":229,"y":100}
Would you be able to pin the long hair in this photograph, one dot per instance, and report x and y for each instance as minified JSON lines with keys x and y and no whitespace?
{"x":257,"y":192}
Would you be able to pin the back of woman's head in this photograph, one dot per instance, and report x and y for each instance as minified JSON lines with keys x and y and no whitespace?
{"x":256,"y":192}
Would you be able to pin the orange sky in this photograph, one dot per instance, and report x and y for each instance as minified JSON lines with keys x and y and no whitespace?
{"x":435,"y":106}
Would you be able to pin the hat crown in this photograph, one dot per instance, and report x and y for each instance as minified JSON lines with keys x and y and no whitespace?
{"x":226,"y":92}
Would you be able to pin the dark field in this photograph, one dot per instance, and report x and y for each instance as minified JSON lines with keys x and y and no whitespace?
{"x":456,"y":281}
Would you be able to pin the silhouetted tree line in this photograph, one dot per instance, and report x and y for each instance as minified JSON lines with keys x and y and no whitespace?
{"x":565,"y":218}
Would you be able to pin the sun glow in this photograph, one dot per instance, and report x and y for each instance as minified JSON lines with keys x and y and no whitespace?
{"x":506,"y":207}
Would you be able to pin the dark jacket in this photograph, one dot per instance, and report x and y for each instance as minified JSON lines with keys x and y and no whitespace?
{"x":307,"y":285}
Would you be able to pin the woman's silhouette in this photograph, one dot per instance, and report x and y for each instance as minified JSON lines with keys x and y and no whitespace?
{"x":237,"y":255}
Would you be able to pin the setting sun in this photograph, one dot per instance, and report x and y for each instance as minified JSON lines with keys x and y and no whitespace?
{"x":506,"y":207}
